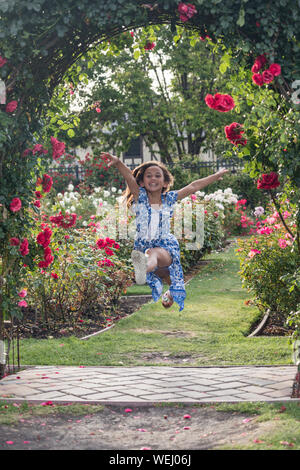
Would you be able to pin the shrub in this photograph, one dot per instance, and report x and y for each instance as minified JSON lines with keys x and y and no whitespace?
{"x":268,"y":265}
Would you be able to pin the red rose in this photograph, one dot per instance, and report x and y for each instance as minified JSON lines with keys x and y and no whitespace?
{"x":38,"y":194}
{"x":268,"y":77}
{"x":38,"y":148}
{"x":149,"y":46}
{"x":14,"y":241}
{"x":234,"y":134}
{"x":15,"y":204}
{"x":275,"y":69}
{"x":258,"y":79}
{"x":47,"y":183}
{"x":260,"y":61}
{"x":186,"y":11}
{"x":58,"y":148}
{"x":37,"y":203}
{"x":43,"y":238}
{"x":268,"y":181}
{"x":222,"y":103}
{"x":11,"y":107}
{"x":2,"y":61}
{"x":24,"y":247}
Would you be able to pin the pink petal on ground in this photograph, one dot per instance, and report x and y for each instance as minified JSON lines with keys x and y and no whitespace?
{"x":128,"y":410}
{"x":186,"y":427}
{"x":187,"y":416}
{"x":9,"y":442}
{"x":146,"y":448}
{"x":247,"y":420}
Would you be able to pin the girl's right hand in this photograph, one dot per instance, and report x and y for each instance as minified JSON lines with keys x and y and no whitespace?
{"x":110,"y":159}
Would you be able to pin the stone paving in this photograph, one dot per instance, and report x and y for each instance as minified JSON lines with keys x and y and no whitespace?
{"x":149,"y":385}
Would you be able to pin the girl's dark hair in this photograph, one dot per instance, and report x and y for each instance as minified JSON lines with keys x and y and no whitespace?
{"x":138,"y":174}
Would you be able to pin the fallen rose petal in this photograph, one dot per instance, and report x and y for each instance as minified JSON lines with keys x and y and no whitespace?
{"x":142,"y":430}
{"x":247,"y":420}
{"x":186,"y":427}
{"x":146,"y":448}
{"x":26,"y":442}
{"x":285,"y":443}
{"x":9,"y":442}
{"x":128,"y":410}
{"x":187,"y":416}
{"x":258,"y":441}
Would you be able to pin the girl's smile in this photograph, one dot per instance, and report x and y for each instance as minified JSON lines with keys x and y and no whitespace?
{"x":153,"y":180}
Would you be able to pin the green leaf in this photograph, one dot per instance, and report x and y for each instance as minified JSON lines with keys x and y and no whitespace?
{"x":71,"y":133}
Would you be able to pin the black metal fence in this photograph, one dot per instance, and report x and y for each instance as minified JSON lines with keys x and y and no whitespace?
{"x":78,"y":172}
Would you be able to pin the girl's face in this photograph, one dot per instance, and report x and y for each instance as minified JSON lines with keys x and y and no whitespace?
{"x":154,"y":179}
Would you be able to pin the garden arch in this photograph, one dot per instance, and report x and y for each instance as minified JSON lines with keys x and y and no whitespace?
{"x":40,"y":40}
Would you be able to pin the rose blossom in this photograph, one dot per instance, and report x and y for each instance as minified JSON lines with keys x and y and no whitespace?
{"x":2,"y":61}
{"x":14,"y":241}
{"x":11,"y":106}
{"x":15,"y":204}
{"x":47,"y":183}
{"x":24,"y":247}
{"x":258,"y":79}
{"x":222,"y":103}
{"x":22,"y":303}
{"x":282,"y":243}
{"x":58,"y":148}
{"x":268,"y":77}
{"x":275,"y":69}
{"x":186,"y":11}
{"x":234,"y":133}
{"x":268,"y":181}
{"x":22,"y":293}
{"x":149,"y":46}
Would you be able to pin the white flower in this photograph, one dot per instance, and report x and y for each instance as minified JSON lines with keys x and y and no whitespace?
{"x":200,"y":193}
{"x":220,"y":206}
{"x":97,"y":190}
{"x":232,"y":200}
{"x":59,"y":196}
{"x":70,"y":187}
{"x":120,"y":191}
{"x":113,"y":189}
{"x":72,"y":208}
{"x":259,"y":211}
{"x":106,"y":193}
{"x":207,"y":197}
{"x":228,"y":191}
{"x":84,"y":223}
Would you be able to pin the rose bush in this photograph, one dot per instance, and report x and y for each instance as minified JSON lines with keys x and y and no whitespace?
{"x":269,"y":261}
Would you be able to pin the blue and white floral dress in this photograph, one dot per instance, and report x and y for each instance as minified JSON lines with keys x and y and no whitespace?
{"x":162,"y":239}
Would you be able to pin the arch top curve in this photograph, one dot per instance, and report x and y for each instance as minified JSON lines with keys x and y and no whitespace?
{"x":41,"y":39}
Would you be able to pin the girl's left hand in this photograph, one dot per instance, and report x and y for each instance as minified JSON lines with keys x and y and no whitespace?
{"x":220,"y":173}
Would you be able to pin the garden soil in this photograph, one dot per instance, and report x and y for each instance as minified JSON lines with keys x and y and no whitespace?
{"x":142,"y":428}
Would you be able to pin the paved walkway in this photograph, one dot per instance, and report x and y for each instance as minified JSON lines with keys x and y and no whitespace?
{"x":149,"y":385}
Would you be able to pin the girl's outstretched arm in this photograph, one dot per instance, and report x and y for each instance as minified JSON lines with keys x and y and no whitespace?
{"x":125,"y":172}
{"x":197,"y":185}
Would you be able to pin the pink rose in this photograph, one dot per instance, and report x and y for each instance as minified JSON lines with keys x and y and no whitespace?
{"x":15,"y":204}
{"x":22,"y":303}
{"x":22,"y":293}
{"x":11,"y":106}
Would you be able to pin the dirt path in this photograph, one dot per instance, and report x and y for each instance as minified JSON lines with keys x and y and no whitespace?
{"x":155,"y":428}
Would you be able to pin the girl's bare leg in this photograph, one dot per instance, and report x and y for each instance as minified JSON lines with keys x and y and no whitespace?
{"x":159,"y":260}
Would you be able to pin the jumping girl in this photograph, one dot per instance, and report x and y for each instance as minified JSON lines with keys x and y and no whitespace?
{"x":156,"y":254}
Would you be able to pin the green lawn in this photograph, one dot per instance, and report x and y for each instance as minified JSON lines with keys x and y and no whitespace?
{"x":211,"y":330}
